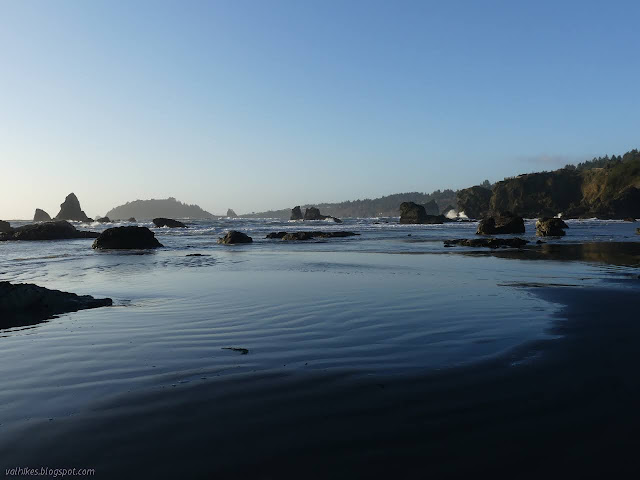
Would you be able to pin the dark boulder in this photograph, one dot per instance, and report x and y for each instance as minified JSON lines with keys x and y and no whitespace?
{"x":231,"y":213}
{"x":24,"y":302}
{"x":70,"y":210}
{"x":273,"y":235}
{"x":41,"y":216}
{"x":5,"y":227}
{"x":168,"y":222}
{"x":629,"y":219}
{"x":126,"y":238}
{"x":58,"y":230}
{"x":313,"y":213}
{"x":550,"y":227}
{"x":501,"y":224}
{"x":474,"y":201}
{"x":132,"y":220}
{"x":233,"y":237}
{"x":413,"y":213}
{"x":296,"y":213}
{"x":488,"y":242}
{"x":103,"y":220}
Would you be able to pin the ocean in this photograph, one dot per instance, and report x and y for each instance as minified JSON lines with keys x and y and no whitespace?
{"x":215,"y":347}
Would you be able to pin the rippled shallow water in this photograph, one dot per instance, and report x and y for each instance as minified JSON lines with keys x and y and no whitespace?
{"x":392,"y":301}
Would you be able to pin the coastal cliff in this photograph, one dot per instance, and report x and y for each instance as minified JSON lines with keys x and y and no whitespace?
{"x":607,"y":188}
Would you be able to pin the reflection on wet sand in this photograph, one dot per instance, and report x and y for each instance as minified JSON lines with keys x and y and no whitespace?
{"x":613,"y":253}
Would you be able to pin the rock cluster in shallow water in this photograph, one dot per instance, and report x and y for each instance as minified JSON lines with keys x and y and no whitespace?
{"x":58,"y":230}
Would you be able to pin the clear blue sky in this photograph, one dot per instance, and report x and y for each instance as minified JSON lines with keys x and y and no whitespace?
{"x":267,"y":104}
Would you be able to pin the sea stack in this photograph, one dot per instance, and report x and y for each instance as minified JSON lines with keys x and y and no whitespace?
{"x":231,"y":213}
{"x":296,"y":213}
{"x":411,"y":212}
{"x":313,"y":213}
{"x":70,"y":210}
{"x":41,"y":216}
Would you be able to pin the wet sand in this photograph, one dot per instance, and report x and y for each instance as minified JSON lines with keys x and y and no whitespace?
{"x":563,"y":407}
{"x":611,"y":253}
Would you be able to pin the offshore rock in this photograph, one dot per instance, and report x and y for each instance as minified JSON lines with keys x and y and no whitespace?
{"x":41,"y":216}
{"x":232,"y":237}
{"x":126,"y":238}
{"x":550,"y":227}
{"x":296,"y":213}
{"x":313,"y":213}
{"x":58,"y":230}
{"x":411,"y":212}
{"x":70,"y":210}
{"x":168,"y":222}
{"x":501,"y":224}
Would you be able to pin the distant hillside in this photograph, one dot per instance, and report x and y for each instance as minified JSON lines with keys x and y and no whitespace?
{"x":603,"y":187}
{"x":378,"y":207}
{"x":147,"y":209}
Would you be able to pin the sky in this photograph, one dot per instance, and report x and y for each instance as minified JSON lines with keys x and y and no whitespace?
{"x":257,"y":105}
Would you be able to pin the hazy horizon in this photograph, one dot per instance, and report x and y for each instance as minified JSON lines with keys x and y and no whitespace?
{"x":257,"y":106}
